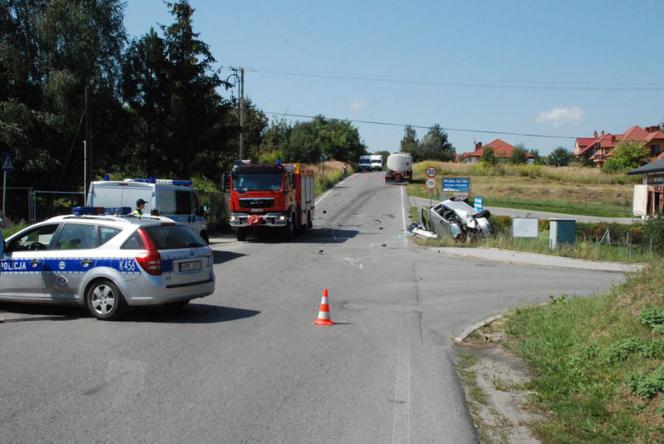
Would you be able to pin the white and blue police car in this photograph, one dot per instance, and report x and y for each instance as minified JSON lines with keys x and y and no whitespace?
{"x":106,"y":260}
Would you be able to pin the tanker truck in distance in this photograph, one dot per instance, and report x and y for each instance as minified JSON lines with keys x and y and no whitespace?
{"x":399,"y":168}
{"x":270,"y":197}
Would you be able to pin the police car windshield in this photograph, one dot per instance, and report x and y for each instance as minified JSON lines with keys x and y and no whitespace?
{"x":172,"y":237}
{"x":257,"y":181}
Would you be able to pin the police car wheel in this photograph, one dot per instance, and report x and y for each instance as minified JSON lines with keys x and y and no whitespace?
{"x":104,"y":300}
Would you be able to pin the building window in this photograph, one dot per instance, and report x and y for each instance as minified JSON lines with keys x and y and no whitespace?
{"x":656,"y":150}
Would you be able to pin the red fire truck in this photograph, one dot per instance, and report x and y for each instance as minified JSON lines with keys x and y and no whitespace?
{"x":279,"y":196}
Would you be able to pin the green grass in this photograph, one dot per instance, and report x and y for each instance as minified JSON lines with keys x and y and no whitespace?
{"x":568,"y":190}
{"x":605,"y":209}
{"x":598,"y":362}
{"x":558,"y":206}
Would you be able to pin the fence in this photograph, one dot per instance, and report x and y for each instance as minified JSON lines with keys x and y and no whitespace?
{"x":45,"y":204}
{"x":17,"y":203}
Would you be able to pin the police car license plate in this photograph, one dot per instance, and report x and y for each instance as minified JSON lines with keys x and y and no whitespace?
{"x":189,"y":267}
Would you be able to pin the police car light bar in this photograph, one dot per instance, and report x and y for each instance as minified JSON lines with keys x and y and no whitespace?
{"x":176,"y":182}
{"x":100,"y":211}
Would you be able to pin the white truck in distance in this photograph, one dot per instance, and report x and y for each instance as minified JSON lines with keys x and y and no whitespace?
{"x":370,"y":162}
{"x":174,"y":199}
{"x":399,"y":167}
{"x":376,"y":161}
{"x":364,"y":163}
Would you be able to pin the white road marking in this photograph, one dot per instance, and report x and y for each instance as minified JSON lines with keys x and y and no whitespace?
{"x":403,"y":210}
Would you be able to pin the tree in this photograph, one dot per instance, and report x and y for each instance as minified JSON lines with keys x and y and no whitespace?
{"x":435,"y":146}
{"x":626,"y":156}
{"x":409,"y":143}
{"x":337,"y":139}
{"x":195,"y":109}
{"x":559,"y":157}
{"x":275,"y":141}
{"x":519,"y":155}
{"x":534,"y":156}
{"x":51,"y":51}
{"x":489,"y":157}
{"x":145,"y":90}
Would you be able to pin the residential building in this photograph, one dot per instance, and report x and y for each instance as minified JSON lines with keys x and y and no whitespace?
{"x":598,"y":148}
{"x":501,"y":149}
{"x":649,"y":196}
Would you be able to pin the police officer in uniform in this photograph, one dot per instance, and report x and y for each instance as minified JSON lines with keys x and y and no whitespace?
{"x":140,"y":206}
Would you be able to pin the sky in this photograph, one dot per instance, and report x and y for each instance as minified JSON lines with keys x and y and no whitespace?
{"x":560,"y":68}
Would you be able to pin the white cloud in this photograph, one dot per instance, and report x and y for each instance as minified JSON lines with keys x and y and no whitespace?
{"x":356,"y":107}
{"x":561,"y":116}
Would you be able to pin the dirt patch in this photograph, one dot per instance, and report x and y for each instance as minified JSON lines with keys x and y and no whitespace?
{"x":495,"y":382}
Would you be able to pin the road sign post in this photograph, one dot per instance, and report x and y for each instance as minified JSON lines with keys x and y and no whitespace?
{"x":431,"y":184}
{"x":478,"y":203}
{"x":7,"y":166}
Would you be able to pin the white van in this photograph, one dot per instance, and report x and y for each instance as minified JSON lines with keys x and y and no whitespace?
{"x":376,"y":162}
{"x":364,"y":163}
{"x":174,"y":199}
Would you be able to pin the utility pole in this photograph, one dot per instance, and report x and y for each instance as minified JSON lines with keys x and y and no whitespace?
{"x":241,"y":111}
{"x":87,"y":144}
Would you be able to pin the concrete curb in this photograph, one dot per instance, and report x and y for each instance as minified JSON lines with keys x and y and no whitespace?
{"x":468,"y":331}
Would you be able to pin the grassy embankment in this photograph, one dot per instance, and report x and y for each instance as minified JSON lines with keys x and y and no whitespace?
{"x":597,"y":362}
{"x":586,"y":247}
{"x":570,"y":190}
{"x":333,"y":172}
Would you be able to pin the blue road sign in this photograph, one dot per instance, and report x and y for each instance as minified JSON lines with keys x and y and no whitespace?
{"x":478,"y":203}
{"x":456,"y":184}
{"x":7,"y":162}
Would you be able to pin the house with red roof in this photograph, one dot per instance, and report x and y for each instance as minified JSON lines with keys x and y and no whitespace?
{"x":501,"y":149}
{"x":598,"y":148}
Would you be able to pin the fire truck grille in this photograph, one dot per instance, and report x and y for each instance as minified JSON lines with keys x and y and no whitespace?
{"x":256,"y":203}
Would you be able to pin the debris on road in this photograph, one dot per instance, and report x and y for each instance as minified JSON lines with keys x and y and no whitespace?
{"x":421,"y":231}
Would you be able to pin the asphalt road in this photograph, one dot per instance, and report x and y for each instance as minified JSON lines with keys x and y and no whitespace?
{"x":247,"y":365}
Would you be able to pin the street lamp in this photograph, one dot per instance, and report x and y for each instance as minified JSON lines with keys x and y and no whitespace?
{"x":239,"y":78}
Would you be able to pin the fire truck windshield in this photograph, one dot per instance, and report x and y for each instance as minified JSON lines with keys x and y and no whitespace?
{"x":257,"y":182}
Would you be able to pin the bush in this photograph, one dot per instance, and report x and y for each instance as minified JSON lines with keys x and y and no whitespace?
{"x":652,"y":316}
{"x":655,"y":231}
{"x":619,"y":233}
{"x":647,"y":385}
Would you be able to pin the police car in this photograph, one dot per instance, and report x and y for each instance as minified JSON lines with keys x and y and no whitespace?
{"x":106,"y":260}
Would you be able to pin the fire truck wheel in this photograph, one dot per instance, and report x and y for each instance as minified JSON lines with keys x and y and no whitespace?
{"x":241,"y":234}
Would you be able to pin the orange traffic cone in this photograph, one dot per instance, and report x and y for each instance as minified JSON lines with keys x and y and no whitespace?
{"x":324,"y":311}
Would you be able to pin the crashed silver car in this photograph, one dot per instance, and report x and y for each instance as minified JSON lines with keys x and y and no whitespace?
{"x":456,"y":219}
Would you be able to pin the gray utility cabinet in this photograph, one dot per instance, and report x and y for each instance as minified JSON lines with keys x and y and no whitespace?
{"x":561,"y":231}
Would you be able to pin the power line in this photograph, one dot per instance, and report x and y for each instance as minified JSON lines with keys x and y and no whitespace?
{"x":460,"y":130}
{"x":537,"y":85}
